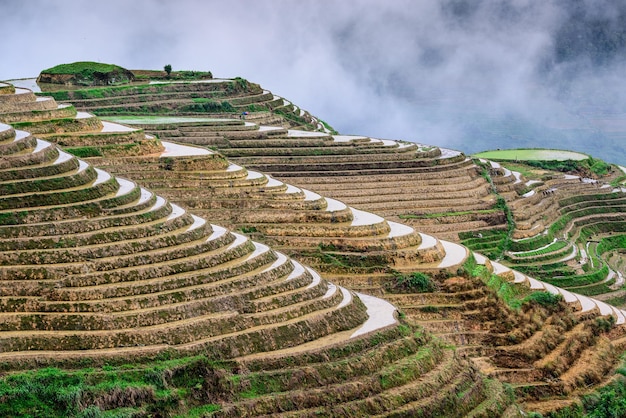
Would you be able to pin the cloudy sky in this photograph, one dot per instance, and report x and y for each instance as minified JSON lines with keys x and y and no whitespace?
{"x":464,"y":73}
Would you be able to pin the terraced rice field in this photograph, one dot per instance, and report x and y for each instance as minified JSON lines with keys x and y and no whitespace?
{"x":299,"y":342}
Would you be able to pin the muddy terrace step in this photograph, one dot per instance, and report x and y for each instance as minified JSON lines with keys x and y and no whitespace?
{"x":463,"y":338}
{"x":6,"y":88}
{"x":366,"y":197}
{"x":550,"y":405}
{"x":82,"y":122}
{"x":333,"y":228}
{"x":7,"y":133}
{"x":397,"y":243}
{"x":43,"y":154}
{"x":264,"y":279}
{"x":435,"y":312}
{"x":37,"y":105}
{"x":438,"y":297}
{"x":81,"y":175}
{"x":54,"y":164}
{"x":250,"y":180}
{"x":338,"y":152}
{"x":60,"y":112}
{"x":109,"y":133}
{"x":36,"y":222}
{"x":146,"y":211}
{"x":231,"y":172}
{"x":455,"y":223}
{"x":341,"y":169}
{"x":22,"y":143}
{"x":338,"y":165}
{"x":74,"y":249}
{"x":346,"y":186}
{"x":188,"y":234}
{"x":443,"y":326}
{"x":464,"y":170}
{"x":19,"y":95}
{"x":129,"y":268}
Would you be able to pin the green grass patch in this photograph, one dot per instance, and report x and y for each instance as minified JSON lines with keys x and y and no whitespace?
{"x":488,"y":242}
{"x":82,"y":67}
{"x":618,"y":181}
{"x":555,"y":246}
{"x":618,"y":301}
{"x":595,"y":289}
{"x":487,"y":233}
{"x":532,"y":154}
{"x":511,"y":294}
{"x":208,"y":106}
{"x":328,"y":127}
{"x":86,"y":73}
{"x":581,"y":279}
{"x":611,"y":243}
{"x":585,"y":167}
{"x":85,"y":152}
{"x":168,"y":387}
{"x":529,"y":244}
{"x":545,"y":299}
{"x":525,"y":170}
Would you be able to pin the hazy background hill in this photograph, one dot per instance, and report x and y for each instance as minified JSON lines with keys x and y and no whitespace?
{"x":470,"y":74}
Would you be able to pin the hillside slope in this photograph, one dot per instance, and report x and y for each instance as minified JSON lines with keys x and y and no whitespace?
{"x":465,"y":305}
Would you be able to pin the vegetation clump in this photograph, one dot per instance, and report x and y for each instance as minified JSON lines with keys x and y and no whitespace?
{"x":590,"y":167}
{"x":545,"y":299}
{"x":416,"y":282}
{"x":86,"y":73}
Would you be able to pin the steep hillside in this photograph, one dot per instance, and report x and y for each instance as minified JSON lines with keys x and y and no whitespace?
{"x":436,"y":190}
{"x":98,"y":271}
{"x":566,"y":229}
{"x":487,"y":310}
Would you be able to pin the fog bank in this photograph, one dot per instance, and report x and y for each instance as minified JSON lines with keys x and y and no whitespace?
{"x":468,"y":74}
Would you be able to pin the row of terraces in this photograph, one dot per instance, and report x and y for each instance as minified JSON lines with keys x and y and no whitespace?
{"x":62,"y":124}
{"x":550,"y":351}
{"x":292,"y":219}
{"x":441,"y":191}
{"x":355,"y":248}
{"x":97,"y":267}
{"x":568,"y":231}
{"x":222,"y":98}
{"x":422,"y":186}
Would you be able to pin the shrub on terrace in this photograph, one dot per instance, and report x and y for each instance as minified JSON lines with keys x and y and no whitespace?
{"x":416,"y":282}
{"x":545,"y":299}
